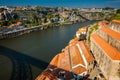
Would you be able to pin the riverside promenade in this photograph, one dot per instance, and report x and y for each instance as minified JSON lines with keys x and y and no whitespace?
{"x":15,"y":33}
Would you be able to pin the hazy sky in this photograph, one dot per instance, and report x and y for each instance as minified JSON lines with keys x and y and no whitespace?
{"x":64,"y":3}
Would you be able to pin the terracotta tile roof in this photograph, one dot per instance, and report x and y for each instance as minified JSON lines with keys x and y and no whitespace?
{"x":64,"y":62}
{"x":46,"y":75}
{"x":61,"y":62}
{"x":75,"y":56}
{"x":112,"y":33}
{"x":73,"y":41}
{"x":110,"y":51}
{"x":18,"y":23}
{"x":86,"y":51}
{"x":63,"y":14}
{"x":79,"y":70}
{"x":12,"y":25}
{"x":54,"y":60}
{"x":81,"y":30}
{"x":118,"y":21}
{"x":101,"y":23}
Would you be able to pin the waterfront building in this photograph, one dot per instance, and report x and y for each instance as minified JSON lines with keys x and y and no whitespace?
{"x":81,"y":33}
{"x":102,"y":24}
{"x":75,"y":61}
{"x":105,"y":46}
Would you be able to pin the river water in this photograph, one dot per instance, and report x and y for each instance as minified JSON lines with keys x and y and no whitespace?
{"x":34,"y":50}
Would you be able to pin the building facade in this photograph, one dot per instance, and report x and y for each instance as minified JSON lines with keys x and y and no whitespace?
{"x":105,"y":48}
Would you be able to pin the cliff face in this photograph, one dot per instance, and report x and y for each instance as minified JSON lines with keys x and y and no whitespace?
{"x":96,"y":15}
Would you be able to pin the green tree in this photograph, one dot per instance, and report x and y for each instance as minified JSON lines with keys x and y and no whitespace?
{"x":118,"y":11}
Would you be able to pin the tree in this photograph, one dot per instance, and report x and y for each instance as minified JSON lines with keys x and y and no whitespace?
{"x":15,"y":16}
{"x":118,"y":11}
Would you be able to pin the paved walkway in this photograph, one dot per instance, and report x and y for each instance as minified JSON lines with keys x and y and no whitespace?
{"x":94,"y":73}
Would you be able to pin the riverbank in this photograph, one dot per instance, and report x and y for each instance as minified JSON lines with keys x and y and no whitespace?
{"x":35,"y":46}
{"x":15,"y":33}
{"x":75,"y":61}
{"x":78,"y":60}
{"x":72,"y":62}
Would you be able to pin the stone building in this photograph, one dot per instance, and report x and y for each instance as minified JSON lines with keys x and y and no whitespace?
{"x":105,"y":46}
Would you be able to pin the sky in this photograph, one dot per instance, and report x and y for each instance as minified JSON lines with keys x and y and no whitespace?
{"x":64,"y":3}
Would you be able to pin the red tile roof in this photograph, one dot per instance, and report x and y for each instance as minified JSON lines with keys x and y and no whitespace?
{"x":64,"y":62}
{"x":55,"y":60}
{"x":118,"y":21}
{"x":12,"y":25}
{"x":78,"y":70}
{"x":86,"y":51}
{"x":109,"y":50}
{"x":75,"y":56}
{"x":74,"y":41}
{"x":18,"y":23}
{"x":46,"y":75}
{"x":101,"y":23}
{"x":80,"y":31}
{"x":112,"y":33}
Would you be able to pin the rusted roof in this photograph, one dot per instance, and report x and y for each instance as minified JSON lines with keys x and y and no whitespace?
{"x":112,"y":33}
{"x":109,"y":50}
{"x":86,"y":51}
{"x":118,"y":21}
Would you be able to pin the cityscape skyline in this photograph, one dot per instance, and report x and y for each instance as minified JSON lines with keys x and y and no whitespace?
{"x":63,"y":3}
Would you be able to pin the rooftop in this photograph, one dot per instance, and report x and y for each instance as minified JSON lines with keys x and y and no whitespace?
{"x":112,"y":33}
{"x":80,"y":31}
{"x":101,"y":23}
{"x":109,"y":50}
{"x":65,"y":61}
{"x":86,"y":51}
{"x":73,"y":41}
{"x":118,"y":21}
{"x":75,"y":56}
